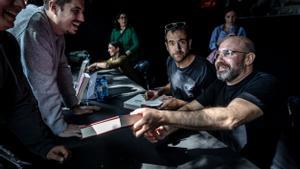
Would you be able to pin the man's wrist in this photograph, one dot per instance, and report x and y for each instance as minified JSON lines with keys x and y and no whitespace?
{"x":74,"y":106}
{"x":160,"y":91}
{"x":180,"y":102}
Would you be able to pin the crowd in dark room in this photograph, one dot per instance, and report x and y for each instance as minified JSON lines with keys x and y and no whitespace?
{"x":272,"y":34}
{"x":275,"y":34}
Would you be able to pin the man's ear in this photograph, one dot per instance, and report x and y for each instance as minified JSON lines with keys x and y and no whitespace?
{"x":167,"y":47}
{"x":190,"y":44}
{"x":53,"y":6}
{"x":249,"y":59}
{"x":118,"y":49}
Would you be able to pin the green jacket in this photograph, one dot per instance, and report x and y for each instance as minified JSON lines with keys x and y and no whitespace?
{"x":128,"y":39}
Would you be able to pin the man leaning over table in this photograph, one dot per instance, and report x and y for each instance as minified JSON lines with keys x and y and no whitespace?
{"x":19,"y":114}
{"x":40,"y":33}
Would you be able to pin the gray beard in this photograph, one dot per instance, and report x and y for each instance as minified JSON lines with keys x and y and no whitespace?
{"x":227,"y":76}
{"x":230,"y":74}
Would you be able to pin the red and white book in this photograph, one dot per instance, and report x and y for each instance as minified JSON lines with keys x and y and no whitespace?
{"x":108,"y":125}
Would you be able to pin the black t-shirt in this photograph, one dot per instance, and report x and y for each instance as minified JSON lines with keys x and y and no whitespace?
{"x":188,"y":83}
{"x":19,"y":109}
{"x":257,"y":138}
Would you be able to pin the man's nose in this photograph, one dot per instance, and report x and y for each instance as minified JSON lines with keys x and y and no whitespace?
{"x":178,"y":47}
{"x":81,"y":17}
{"x":219,"y":56}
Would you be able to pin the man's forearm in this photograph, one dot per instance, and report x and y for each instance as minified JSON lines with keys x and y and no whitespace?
{"x":194,"y":105}
{"x":238,"y":112}
{"x":164,"y":89}
{"x":194,"y":120}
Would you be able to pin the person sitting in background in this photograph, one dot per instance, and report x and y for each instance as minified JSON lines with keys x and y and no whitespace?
{"x":188,"y":74}
{"x":246,"y":109}
{"x":229,"y":28}
{"x":19,"y":110}
{"x":40,"y":33}
{"x":126,"y":35}
{"x":118,"y":59}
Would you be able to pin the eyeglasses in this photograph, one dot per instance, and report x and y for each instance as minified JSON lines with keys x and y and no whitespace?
{"x":174,"y":26}
{"x":228,"y":52}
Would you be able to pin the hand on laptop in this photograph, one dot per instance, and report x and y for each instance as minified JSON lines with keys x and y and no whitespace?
{"x":97,"y":65}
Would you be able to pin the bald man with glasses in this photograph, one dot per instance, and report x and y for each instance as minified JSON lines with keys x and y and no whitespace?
{"x":245,"y":108}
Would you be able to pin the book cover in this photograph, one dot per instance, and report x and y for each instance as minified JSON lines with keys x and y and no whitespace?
{"x":139,"y":101}
{"x":109,"y":124}
{"x":90,"y":94}
{"x":83,"y":81}
{"x":82,"y":68}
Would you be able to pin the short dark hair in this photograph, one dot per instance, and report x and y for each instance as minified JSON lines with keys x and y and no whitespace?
{"x":228,"y":9}
{"x":60,"y":3}
{"x":247,"y":44}
{"x":115,"y":21}
{"x":118,"y":44}
{"x":175,"y":26}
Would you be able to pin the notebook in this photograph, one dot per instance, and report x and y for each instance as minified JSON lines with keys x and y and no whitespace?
{"x":139,"y":101}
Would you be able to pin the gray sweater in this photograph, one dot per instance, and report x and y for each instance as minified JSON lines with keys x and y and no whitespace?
{"x":45,"y":65}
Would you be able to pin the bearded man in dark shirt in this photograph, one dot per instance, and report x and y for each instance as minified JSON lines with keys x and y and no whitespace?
{"x":245,"y":108}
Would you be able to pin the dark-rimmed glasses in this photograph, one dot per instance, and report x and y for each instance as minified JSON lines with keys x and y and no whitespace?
{"x":174,"y":25}
{"x":228,"y":52}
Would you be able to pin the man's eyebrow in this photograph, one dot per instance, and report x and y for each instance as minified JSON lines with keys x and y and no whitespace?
{"x":183,"y":39}
{"x":178,"y":39}
{"x":77,"y":8}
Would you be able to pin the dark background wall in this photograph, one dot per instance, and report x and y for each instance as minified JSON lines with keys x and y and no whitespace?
{"x":276,"y":37}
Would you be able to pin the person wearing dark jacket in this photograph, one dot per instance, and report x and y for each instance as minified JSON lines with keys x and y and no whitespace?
{"x":19,"y":110}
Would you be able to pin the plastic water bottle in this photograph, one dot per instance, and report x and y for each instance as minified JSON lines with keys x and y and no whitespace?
{"x":98,"y":89}
{"x":101,"y":88}
{"x":104,"y":87}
